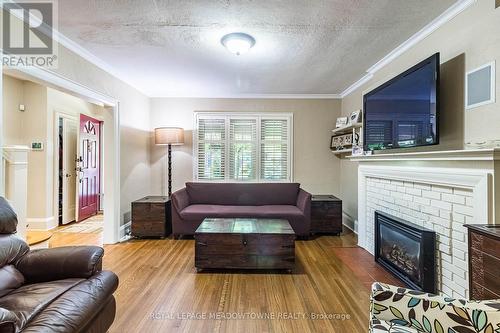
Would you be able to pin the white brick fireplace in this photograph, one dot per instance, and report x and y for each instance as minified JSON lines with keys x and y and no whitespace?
{"x":437,"y":191}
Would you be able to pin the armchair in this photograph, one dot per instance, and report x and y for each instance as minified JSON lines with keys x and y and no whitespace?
{"x":52,"y":290}
{"x":400,"y":310}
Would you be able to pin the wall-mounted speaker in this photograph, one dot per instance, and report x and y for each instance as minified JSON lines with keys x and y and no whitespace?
{"x":480,"y":86}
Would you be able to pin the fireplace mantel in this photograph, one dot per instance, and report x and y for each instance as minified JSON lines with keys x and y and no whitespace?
{"x":492,"y":154}
{"x":439,"y":190}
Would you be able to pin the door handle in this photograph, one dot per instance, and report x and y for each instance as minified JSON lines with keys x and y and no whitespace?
{"x":67,"y":175}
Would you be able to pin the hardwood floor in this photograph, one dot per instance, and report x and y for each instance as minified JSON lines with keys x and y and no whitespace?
{"x":160,"y":290}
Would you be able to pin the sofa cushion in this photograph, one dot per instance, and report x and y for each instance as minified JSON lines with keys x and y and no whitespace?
{"x":10,"y":279}
{"x":12,"y":248}
{"x":74,"y":310}
{"x":237,"y":194}
{"x":199,"y":212}
{"x":29,"y":300}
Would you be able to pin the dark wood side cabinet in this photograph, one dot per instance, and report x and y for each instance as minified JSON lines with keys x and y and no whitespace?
{"x":326,"y":214}
{"x":484,"y":261}
{"x":151,"y":217}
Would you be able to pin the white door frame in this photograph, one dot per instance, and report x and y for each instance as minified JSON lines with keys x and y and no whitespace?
{"x":111,"y":163}
{"x":60,"y":114}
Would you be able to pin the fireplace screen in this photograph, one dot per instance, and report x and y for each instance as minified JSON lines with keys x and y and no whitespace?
{"x":406,"y":250}
{"x":402,"y":251}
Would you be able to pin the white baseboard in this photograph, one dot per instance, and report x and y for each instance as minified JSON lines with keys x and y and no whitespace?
{"x":349,"y":222}
{"x":43,"y":223}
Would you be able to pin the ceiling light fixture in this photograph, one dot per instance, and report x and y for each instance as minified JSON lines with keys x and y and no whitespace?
{"x":238,"y":42}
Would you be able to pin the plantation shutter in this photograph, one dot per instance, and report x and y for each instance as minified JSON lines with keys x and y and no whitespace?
{"x":211,"y":148}
{"x":274,"y":161}
{"x":243,"y":149}
{"x":238,"y":147}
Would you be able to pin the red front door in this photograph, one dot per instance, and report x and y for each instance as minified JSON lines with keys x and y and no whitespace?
{"x":88,"y":167}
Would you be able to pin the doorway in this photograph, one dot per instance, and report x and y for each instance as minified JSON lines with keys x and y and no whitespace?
{"x":67,"y":175}
{"x":78,"y":162}
{"x":110,"y":180}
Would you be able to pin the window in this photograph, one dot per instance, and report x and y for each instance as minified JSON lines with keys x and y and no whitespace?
{"x":243,"y":147}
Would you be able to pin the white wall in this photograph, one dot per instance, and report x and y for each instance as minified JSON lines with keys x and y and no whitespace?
{"x":468,"y":41}
{"x":315,"y":167}
{"x":134,"y":125}
{"x":13,"y":91}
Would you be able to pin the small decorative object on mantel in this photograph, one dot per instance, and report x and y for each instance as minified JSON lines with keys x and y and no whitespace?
{"x":355,"y":117}
{"x":357,"y":151}
{"x":341,"y":121}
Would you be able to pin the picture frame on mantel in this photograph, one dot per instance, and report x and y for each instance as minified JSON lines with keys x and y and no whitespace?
{"x":340,"y":142}
{"x":341,"y":122}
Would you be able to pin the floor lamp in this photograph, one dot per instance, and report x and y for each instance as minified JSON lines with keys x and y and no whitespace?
{"x":168,"y":136}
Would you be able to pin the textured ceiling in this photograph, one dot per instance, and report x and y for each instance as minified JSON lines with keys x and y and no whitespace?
{"x":172,"y":48}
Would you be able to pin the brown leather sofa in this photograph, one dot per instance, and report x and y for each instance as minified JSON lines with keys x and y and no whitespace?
{"x":52,"y":290}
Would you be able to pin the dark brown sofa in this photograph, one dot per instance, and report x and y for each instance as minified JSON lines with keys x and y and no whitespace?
{"x":52,"y":290}
{"x":198,"y":201}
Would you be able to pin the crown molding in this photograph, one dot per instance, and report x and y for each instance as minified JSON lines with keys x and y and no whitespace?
{"x":254,"y":96}
{"x":435,"y":24}
{"x":438,"y":22}
{"x":367,"y":77}
{"x":78,"y":50}
{"x":92,"y":58}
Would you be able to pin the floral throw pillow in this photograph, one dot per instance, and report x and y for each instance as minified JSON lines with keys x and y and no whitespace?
{"x":401,"y":310}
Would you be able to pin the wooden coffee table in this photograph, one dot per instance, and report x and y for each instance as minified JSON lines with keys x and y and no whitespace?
{"x":244,"y":244}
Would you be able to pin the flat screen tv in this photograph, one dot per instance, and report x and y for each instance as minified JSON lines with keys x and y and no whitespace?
{"x":404,"y":111}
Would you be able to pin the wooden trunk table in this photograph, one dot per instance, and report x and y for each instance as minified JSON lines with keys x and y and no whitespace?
{"x":244,"y":244}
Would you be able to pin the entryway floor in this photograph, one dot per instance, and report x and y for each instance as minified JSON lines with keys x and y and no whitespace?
{"x":93,"y":224}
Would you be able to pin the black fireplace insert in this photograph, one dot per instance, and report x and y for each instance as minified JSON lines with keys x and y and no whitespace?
{"x":406,"y":250}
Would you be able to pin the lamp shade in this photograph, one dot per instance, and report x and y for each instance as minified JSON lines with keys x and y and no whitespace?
{"x":169,"y":136}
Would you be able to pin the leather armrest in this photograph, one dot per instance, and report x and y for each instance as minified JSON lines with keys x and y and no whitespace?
{"x":8,"y":321}
{"x":61,"y":263}
{"x":304,"y":202}
{"x":180,"y":199}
